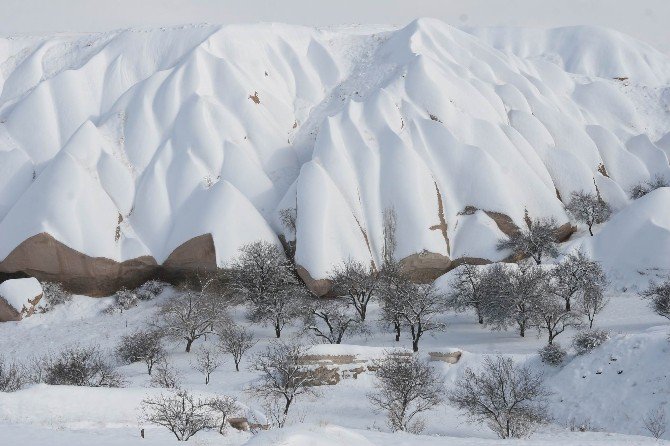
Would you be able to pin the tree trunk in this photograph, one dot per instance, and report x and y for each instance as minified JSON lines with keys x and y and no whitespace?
{"x":237,"y":366}
{"x":415,"y":345}
{"x":364,"y":309}
{"x":522,"y":331}
{"x":189,"y":342}
{"x":277,"y":331}
{"x":567,"y":304}
{"x":397,"y":331}
{"x":590,"y":231}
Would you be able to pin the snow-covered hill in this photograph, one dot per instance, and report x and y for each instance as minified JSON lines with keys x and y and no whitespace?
{"x":120,"y":152}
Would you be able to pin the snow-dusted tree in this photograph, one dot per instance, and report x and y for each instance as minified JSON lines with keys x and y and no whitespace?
{"x":552,"y":354}
{"x":422,"y":311}
{"x":180,"y":412}
{"x":589,"y":209}
{"x":80,"y":366}
{"x":190,"y":315}
{"x":222,"y":407}
{"x":165,"y":376}
{"x":535,"y":241}
{"x":142,"y":345}
{"x":467,"y":290}
{"x":592,"y":301}
{"x":512,"y":295}
{"x":53,"y":294}
{"x":389,"y":222}
{"x":235,"y":340}
{"x":575,"y":275}
{"x":12,"y":378}
{"x":406,"y":387}
{"x":357,"y":282}
{"x":207,"y":361}
{"x":267,"y":280}
{"x":654,"y":422}
{"x":508,"y":398}
{"x":283,"y":376}
{"x":394,"y":290}
{"x":659,"y":298}
{"x":552,"y":317}
{"x":331,"y":319}
{"x":586,"y":340}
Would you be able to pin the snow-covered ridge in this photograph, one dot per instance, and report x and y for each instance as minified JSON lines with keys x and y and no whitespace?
{"x":129,"y":144}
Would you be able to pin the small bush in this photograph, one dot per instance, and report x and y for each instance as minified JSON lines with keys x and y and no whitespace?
{"x":552,"y":354}
{"x":11,"y":376}
{"x":165,"y":376}
{"x":80,"y":366}
{"x":642,"y":189}
{"x":142,"y":345}
{"x":53,"y":294}
{"x":150,"y":289}
{"x":587,"y":340}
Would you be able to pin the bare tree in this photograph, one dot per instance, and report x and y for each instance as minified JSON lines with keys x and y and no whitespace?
{"x":223,"y":407}
{"x":395,"y":289}
{"x":288,"y":218}
{"x":11,"y":376}
{"x":589,"y":209}
{"x":142,"y":345}
{"x":390,"y":239}
{"x":165,"y":376}
{"x":236,"y":340}
{"x":330,"y":320}
{"x":190,"y":315}
{"x":357,"y":282}
{"x":535,"y":241}
{"x":266,"y":278}
{"x":655,"y":422}
{"x":422,"y":311}
{"x":467,"y":290}
{"x":407,"y":386}
{"x":553,"y":318}
{"x":659,"y":298}
{"x":283,"y":376}
{"x":207,"y":361}
{"x":576,"y":274}
{"x":508,"y":398}
{"x":591,"y":302}
{"x":180,"y":412}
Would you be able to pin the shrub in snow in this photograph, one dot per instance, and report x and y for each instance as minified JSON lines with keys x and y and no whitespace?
{"x":406,"y":387}
{"x":659,"y":298}
{"x":654,"y":422}
{"x":11,"y":376}
{"x":165,"y":376}
{"x":53,"y":294}
{"x":587,"y":340}
{"x":552,"y":354}
{"x":589,"y":209}
{"x":508,"y":398}
{"x":235,"y":340}
{"x":142,"y":345}
{"x":149,"y":290}
{"x":181,"y":412}
{"x":535,"y":241}
{"x":642,"y":189}
{"x":80,"y":366}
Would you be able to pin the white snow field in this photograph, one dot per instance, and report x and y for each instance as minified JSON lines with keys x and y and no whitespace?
{"x":129,"y":143}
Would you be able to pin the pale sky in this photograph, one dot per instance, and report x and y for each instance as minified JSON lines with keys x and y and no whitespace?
{"x":648,"y":20}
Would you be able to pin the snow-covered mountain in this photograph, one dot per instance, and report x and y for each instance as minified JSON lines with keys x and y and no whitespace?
{"x":129,"y":153}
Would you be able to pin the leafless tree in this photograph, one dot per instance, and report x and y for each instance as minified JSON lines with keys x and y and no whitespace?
{"x":407,"y":386}
{"x":288,"y":218}
{"x":190,"y":315}
{"x":422,"y":311}
{"x":467,"y":290}
{"x":165,"y":376}
{"x":390,"y":239}
{"x":591,"y":302}
{"x":535,"y":241}
{"x":12,"y":378}
{"x":575,"y":275}
{"x":223,"y":407}
{"x":553,"y":318}
{"x":142,"y":345}
{"x":235,"y":340}
{"x":589,"y":209}
{"x":395,"y":289}
{"x":266,"y":278}
{"x":207,"y":361}
{"x":659,"y":298}
{"x":330,"y":320}
{"x":508,"y":398}
{"x":655,"y":422}
{"x":180,"y":412}
{"x":283,"y":376}
{"x":357,"y":282}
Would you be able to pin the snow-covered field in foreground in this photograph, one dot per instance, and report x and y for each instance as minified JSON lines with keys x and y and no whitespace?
{"x":586,"y":389}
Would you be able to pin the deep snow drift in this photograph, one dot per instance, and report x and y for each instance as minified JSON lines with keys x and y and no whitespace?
{"x":130,"y":143}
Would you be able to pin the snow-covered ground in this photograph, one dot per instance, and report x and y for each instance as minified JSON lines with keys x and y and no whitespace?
{"x":585,"y":389}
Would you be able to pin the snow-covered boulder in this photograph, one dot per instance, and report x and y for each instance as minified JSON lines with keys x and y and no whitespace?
{"x":18,"y":298}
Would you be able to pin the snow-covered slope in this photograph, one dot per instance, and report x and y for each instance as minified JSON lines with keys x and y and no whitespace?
{"x":128,"y":144}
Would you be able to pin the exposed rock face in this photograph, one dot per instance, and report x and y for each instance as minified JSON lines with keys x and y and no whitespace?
{"x":195,"y":255}
{"x":425,"y":266}
{"x":320,"y":287}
